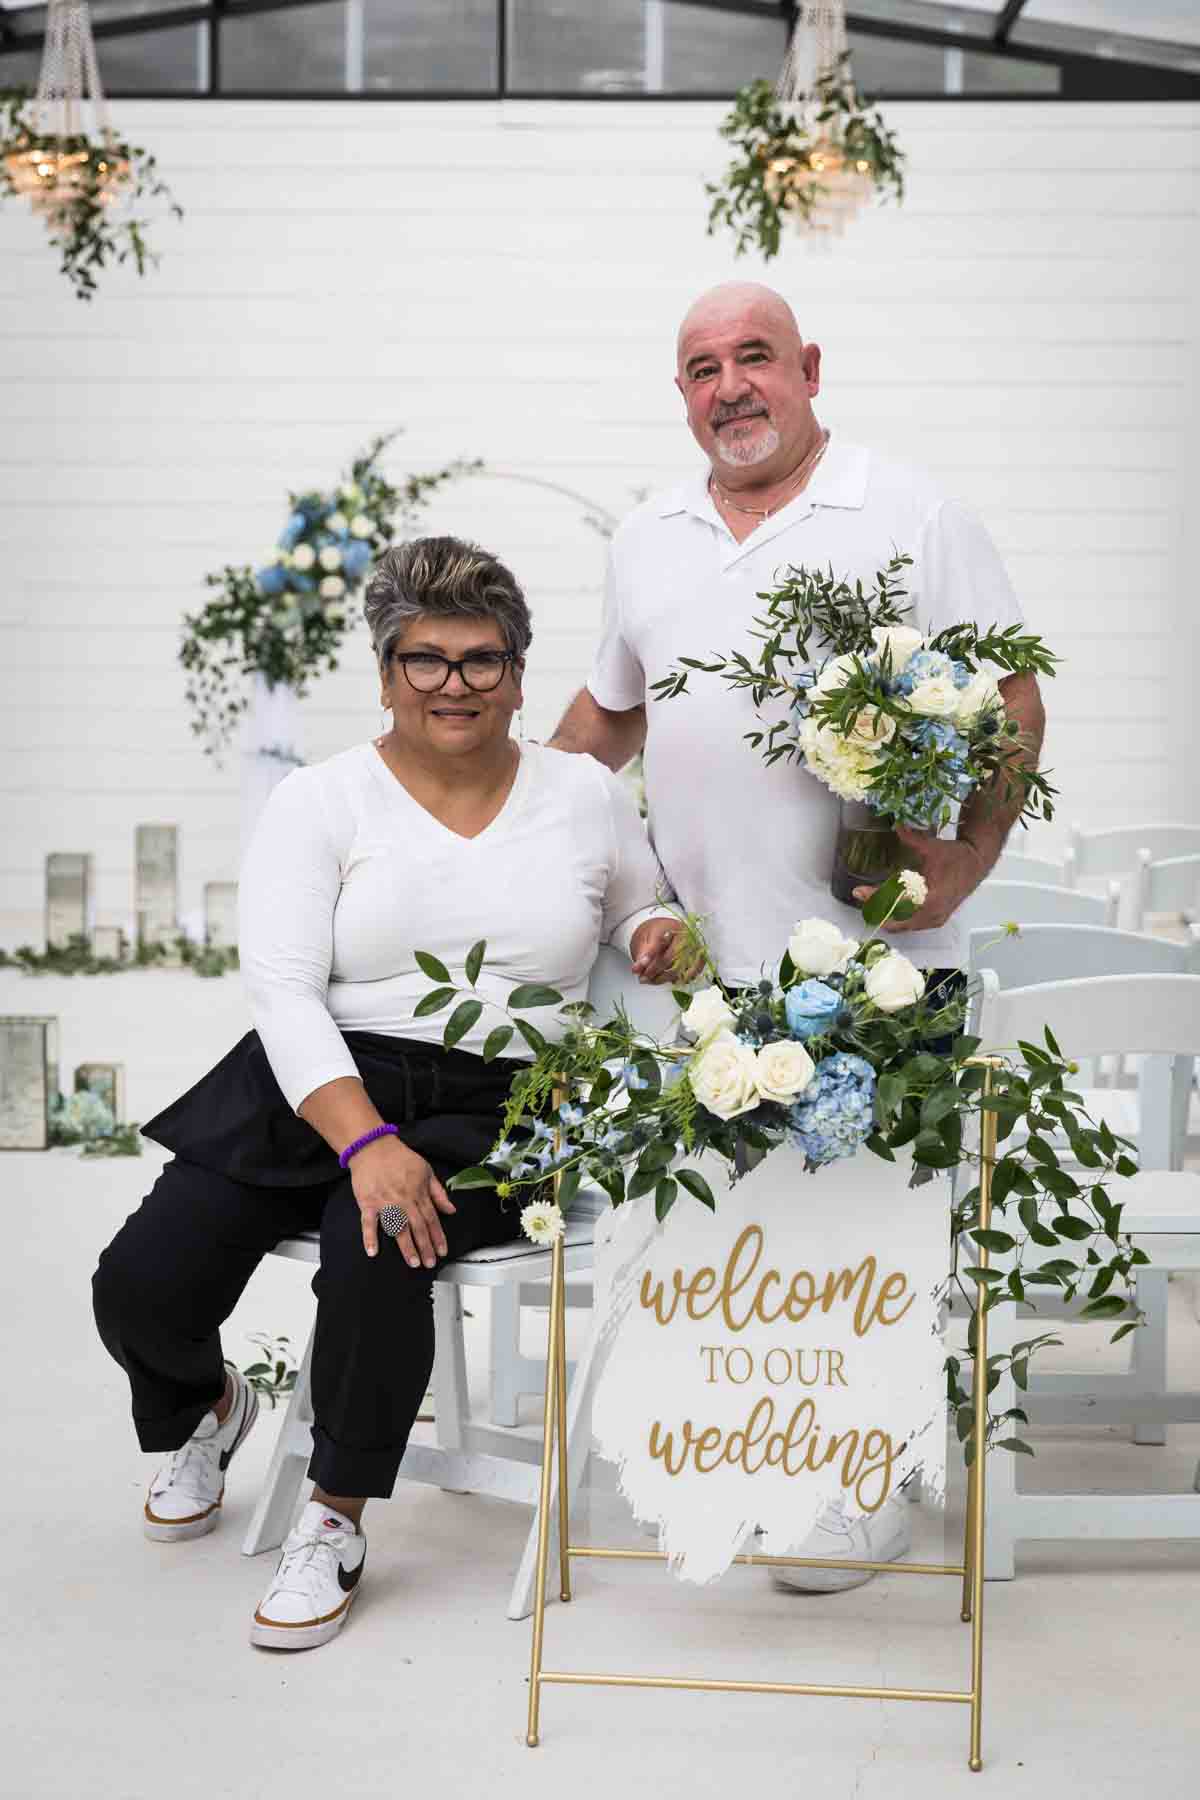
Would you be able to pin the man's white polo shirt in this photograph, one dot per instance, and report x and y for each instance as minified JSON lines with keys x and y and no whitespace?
{"x":747,"y":846}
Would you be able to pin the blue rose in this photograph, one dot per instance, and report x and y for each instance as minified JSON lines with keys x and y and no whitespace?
{"x":292,"y":531}
{"x":811,"y":1008}
{"x":271,"y":580}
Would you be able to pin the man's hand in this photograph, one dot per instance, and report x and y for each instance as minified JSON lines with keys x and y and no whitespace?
{"x":652,"y":952}
{"x":952,"y":868}
{"x":388,"y":1173}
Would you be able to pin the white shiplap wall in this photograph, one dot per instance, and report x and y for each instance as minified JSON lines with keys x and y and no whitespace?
{"x":504,"y":282}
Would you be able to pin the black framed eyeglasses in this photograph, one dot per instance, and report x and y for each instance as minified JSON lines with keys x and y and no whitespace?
{"x":427,"y":671}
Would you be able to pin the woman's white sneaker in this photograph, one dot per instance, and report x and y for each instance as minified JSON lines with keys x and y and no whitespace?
{"x":310,"y":1597}
{"x":883,"y":1536}
{"x":185,"y":1496}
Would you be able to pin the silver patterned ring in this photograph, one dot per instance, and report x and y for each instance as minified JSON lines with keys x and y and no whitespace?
{"x":393,"y":1220}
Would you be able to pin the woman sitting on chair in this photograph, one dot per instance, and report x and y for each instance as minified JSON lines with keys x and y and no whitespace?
{"x":342,"y":1111}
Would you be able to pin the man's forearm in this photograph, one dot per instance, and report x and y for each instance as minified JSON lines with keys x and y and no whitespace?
{"x":593,"y":730}
{"x":989,"y":815}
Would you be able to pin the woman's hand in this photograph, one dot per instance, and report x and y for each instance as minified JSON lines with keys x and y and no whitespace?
{"x":652,"y":952}
{"x":388,"y":1173}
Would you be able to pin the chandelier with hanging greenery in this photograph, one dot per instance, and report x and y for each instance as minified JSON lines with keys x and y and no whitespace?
{"x":82,"y":181}
{"x":812,"y":152}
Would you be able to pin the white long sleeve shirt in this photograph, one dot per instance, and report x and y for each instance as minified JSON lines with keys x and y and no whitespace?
{"x":347,"y":876}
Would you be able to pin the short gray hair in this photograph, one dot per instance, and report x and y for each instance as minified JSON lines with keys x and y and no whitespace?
{"x":443,"y":577}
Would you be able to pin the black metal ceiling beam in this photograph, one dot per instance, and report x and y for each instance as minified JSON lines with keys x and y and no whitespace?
{"x":1008,"y":17}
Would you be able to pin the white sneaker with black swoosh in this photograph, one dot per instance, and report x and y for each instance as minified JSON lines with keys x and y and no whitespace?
{"x":310,"y":1595}
{"x":185,"y":1496}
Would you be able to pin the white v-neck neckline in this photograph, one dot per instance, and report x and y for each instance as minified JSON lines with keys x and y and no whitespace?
{"x":511,"y":803}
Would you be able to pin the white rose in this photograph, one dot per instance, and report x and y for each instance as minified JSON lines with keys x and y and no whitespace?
{"x":335,"y":615}
{"x":707,"y":1014}
{"x":893,"y":983}
{"x":782,"y":1070}
{"x":915,"y":886}
{"x":360,"y":526}
{"x":935,"y":698}
{"x":303,"y":556}
{"x":835,"y":674}
{"x":871,"y":727}
{"x":817,"y":947}
{"x":980,"y":695}
{"x":332,"y":588}
{"x":350,"y":492}
{"x":901,"y":643}
{"x":337,"y":523}
{"x":331,"y":558}
{"x":722,"y":1076}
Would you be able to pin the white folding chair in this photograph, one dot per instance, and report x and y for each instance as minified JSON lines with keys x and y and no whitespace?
{"x":1115,"y":851}
{"x":1157,"y":1017}
{"x":1012,"y":866}
{"x":1164,"y":887}
{"x":1040,"y":953}
{"x":998,"y":903}
{"x":465,"y":1457}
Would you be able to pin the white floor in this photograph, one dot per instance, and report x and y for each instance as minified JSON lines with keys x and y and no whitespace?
{"x":125,"y":1670}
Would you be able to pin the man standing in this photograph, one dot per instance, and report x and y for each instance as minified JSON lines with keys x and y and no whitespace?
{"x":750,"y":847}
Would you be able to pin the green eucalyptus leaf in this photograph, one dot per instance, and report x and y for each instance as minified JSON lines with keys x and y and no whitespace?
{"x":496,"y":1042}
{"x":433,"y":1001}
{"x":429,"y":965}
{"x":475,"y":956}
{"x":697,"y":1187}
{"x":532,"y":993}
{"x":460,"y":1022}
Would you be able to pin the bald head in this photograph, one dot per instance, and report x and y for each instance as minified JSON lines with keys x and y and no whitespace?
{"x":748,"y":381}
{"x":749,"y":301}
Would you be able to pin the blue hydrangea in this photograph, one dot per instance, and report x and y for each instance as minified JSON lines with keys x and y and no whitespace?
{"x":811,"y":1008}
{"x":837,"y":1110}
{"x":943,"y":736}
{"x":355,"y":557}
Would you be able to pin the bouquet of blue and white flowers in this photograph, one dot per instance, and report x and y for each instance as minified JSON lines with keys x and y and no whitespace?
{"x":286,"y":619}
{"x":897,"y":724}
{"x":842,"y":1048}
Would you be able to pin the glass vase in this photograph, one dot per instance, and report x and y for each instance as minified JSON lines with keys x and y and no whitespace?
{"x":867,"y":851}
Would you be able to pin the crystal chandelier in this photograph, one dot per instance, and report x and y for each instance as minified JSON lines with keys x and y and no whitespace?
{"x":60,"y":162}
{"x":824,"y":190}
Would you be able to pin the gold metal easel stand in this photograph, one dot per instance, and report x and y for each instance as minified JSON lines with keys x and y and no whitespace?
{"x":971,"y":1570}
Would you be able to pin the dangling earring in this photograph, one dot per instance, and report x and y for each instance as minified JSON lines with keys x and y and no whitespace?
{"x":521,"y":724}
{"x":383,"y":718}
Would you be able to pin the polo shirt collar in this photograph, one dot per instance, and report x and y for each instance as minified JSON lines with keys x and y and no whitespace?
{"x":840,"y":479}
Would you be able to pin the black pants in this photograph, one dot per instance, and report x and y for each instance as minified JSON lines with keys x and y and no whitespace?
{"x":177,"y":1267}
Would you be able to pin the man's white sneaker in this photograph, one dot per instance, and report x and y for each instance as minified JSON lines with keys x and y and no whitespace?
{"x":310,"y":1596}
{"x":185,"y":1496}
{"x":884,"y":1536}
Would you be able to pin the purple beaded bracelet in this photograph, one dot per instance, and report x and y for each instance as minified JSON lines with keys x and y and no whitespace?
{"x":368,"y":1137}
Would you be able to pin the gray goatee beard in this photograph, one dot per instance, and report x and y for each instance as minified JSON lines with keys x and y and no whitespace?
{"x":744,"y":453}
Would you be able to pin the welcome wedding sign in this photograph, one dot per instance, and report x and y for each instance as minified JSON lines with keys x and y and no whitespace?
{"x":782,"y":1354}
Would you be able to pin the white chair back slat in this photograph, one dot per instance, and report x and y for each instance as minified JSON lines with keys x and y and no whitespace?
{"x":1014,"y":867}
{"x":1102,"y":1015}
{"x":1172,"y":886}
{"x":1116,"y":851}
{"x":1041,"y":953}
{"x":998,"y":902}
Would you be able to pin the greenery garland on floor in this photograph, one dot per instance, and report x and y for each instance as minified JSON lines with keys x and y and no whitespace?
{"x":286,"y":621}
{"x":784,"y":153}
{"x":76,"y":957}
{"x":87,"y":230}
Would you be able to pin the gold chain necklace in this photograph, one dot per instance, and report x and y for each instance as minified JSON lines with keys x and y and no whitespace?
{"x":764,"y":512}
